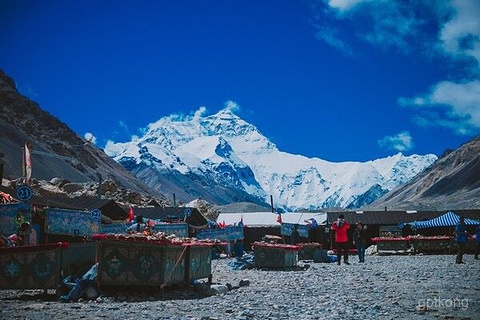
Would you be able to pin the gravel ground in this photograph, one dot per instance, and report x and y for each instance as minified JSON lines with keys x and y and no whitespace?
{"x":385,"y":287}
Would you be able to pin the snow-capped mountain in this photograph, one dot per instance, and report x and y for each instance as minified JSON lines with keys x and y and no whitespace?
{"x":224,"y":159}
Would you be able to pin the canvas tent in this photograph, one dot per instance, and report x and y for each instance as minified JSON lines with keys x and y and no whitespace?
{"x":448,"y":219}
{"x":266,"y":219}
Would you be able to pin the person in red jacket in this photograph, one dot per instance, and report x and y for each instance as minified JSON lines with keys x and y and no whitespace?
{"x":341,"y":239}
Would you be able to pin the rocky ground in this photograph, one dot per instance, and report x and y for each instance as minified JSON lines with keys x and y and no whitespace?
{"x":385,"y":287}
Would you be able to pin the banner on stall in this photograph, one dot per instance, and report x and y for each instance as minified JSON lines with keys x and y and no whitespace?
{"x":225,"y":234}
{"x":116,"y":228}
{"x":12,"y":216}
{"x":287,"y":229}
{"x":178,"y":229}
{"x":74,"y":223}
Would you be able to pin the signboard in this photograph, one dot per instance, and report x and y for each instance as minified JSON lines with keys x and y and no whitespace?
{"x":70,"y":222}
{"x":287,"y":229}
{"x":115,"y":228}
{"x":12,"y":216}
{"x":226,"y":234}
{"x":389,"y":231}
{"x":178,"y":229}
{"x":24,"y":193}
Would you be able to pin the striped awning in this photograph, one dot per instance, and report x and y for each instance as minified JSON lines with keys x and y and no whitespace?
{"x":448,"y":219}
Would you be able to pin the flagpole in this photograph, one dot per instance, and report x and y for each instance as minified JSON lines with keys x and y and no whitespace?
{"x":24,"y":174}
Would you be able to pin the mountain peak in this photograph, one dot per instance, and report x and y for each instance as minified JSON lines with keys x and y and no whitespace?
{"x":229,"y":160}
{"x":227,"y":113}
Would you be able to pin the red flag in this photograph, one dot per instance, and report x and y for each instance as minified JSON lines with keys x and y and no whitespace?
{"x":279,"y":218}
{"x":130,"y":214}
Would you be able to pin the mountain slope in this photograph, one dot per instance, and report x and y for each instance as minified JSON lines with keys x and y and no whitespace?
{"x":22,"y":119}
{"x":453,"y":181}
{"x":224,"y":159}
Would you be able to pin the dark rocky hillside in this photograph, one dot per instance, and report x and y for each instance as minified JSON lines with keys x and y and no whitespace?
{"x":22,"y":119}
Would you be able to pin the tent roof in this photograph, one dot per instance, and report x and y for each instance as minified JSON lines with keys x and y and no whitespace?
{"x":448,"y":219}
{"x":261,"y":219}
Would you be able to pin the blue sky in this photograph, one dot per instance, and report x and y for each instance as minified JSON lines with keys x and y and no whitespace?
{"x":338,"y":79}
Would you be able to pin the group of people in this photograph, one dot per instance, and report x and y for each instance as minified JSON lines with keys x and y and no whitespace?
{"x":341,"y":227}
{"x":461,"y":238}
{"x":25,"y":235}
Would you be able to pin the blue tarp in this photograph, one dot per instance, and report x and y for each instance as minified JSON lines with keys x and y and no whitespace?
{"x":448,"y":219}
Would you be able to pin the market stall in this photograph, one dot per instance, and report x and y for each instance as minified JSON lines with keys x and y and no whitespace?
{"x":153,"y":260}
{"x":392,"y":244}
{"x":42,"y":266}
{"x":275,"y":256}
{"x":434,"y":244}
{"x":307,"y":250}
{"x":439,"y":243}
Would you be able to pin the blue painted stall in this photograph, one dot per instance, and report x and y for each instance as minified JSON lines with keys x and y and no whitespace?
{"x":74,"y":223}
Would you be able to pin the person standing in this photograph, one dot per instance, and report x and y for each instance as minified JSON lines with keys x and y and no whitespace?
{"x":477,"y":240}
{"x":341,"y":227}
{"x":461,"y":237}
{"x":359,"y":241}
{"x":294,"y":238}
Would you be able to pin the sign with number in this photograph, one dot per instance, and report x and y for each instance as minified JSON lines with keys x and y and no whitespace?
{"x":188,"y":212}
{"x":71,"y":222}
{"x":24,"y":193}
{"x":96,"y":215}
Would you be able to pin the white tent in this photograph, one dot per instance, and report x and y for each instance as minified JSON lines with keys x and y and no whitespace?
{"x":264,"y":219}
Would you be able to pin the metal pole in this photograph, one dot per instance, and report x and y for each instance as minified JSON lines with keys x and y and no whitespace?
{"x":1,"y":173}
{"x":271,"y":204}
{"x":174,"y":200}
{"x":99,"y":190}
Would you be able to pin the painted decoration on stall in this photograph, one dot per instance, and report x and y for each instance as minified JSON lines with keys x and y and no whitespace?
{"x":287,"y":229}
{"x":116,"y":228}
{"x":225,"y":234}
{"x":69,"y":222}
{"x":12,"y":216}
{"x":178,"y":229}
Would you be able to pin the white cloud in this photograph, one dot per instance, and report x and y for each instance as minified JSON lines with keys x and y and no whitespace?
{"x":332,"y":37}
{"x":344,"y":5}
{"x":449,"y":104}
{"x":90,"y":137}
{"x":402,"y":142}
{"x":122,"y":125}
{"x":232,"y":106}
{"x":460,"y":36}
{"x":448,"y":29}
{"x":384,"y":23}
{"x":198,"y":114}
